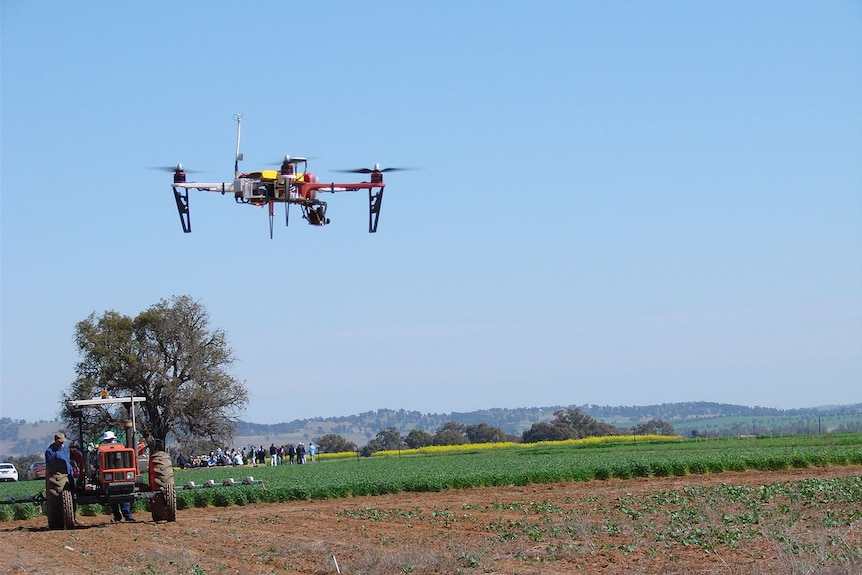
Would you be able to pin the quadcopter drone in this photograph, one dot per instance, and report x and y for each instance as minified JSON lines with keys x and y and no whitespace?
{"x":291,"y":184}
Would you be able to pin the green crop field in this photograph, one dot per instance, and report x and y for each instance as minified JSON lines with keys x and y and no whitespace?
{"x":478,"y":466}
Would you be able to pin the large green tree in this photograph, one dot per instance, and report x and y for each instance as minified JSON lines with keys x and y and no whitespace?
{"x":419,"y":438}
{"x":168,"y":354}
{"x":568,"y":424}
{"x":452,"y":433}
{"x":654,"y":427}
{"x":484,"y":433}
{"x":385,"y":439}
{"x":333,"y":443}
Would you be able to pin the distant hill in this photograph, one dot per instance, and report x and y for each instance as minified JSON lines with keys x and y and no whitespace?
{"x":701,"y":418}
{"x":706,"y":418}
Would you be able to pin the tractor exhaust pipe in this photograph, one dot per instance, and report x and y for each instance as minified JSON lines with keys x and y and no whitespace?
{"x":129,"y":427}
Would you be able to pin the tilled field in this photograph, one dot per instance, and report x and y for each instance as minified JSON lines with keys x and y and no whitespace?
{"x":755,"y":522}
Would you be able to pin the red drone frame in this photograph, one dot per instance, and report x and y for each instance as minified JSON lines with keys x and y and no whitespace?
{"x":291,"y":184}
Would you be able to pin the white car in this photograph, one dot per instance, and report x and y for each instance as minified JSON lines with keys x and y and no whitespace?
{"x":8,"y":472}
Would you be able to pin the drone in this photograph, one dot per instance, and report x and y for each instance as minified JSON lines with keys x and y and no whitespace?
{"x":291,"y":184}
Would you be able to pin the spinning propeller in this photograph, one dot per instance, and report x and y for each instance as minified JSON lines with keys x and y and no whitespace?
{"x":178,"y":172}
{"x":376,"y":168}
{"x":289,"y":160}
{"x":174,"y":169}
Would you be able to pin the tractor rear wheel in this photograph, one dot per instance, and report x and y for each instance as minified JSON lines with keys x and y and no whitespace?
{"x":161,"y":470}
{"x":56,"y":482}
{"x":68,"y":506}
{"x":164,"y":505}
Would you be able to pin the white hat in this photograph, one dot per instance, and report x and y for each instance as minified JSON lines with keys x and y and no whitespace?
{"x":109,"y":435}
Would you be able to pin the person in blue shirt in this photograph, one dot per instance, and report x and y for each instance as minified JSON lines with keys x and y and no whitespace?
{"x":60,"y":450}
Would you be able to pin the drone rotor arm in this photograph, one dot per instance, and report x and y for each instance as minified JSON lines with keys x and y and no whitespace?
{"x":220,"y":187}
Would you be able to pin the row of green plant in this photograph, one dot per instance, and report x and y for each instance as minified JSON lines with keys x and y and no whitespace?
{"x":379,"y":476}
{"x":518,"y":465}
{"x":717,"y":519}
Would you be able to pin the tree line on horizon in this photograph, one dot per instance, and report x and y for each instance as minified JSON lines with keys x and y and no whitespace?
{"x":567,"y":424}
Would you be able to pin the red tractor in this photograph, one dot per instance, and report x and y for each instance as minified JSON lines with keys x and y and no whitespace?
{"x":111,"y":474}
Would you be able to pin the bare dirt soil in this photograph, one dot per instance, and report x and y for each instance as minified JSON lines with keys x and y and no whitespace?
{"x":603,"y":527}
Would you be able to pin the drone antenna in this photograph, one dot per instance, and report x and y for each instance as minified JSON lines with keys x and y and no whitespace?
{"x":238,"y":156}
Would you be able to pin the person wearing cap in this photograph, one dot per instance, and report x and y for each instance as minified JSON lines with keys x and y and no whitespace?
{"x":60,"y":450}
{"x":122,"y":511}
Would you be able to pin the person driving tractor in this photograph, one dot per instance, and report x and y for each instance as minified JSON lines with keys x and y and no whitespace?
{"x":122,"y":511}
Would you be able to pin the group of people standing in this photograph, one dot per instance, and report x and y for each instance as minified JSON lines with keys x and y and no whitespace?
{"x":276,"y":455}
{"x":285,"y":454}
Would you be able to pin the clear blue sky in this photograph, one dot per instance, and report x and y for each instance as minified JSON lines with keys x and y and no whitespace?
{"x":621,"y":203}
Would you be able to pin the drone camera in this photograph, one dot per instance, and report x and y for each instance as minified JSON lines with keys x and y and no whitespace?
{"x":251,"y":189}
